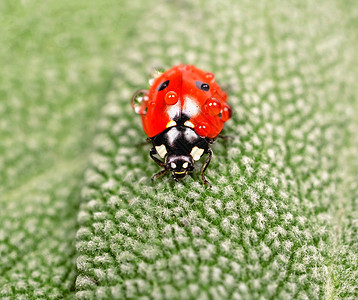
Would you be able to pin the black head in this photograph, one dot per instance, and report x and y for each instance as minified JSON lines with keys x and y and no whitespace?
{"x":179,"y":146}
{"x":179,"y":165}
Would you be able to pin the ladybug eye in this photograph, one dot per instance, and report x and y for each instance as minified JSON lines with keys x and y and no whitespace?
{"x":201,"y":85}
{"x":163,"y":85}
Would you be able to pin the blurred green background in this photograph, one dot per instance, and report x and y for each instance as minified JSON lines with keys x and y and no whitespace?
{"x":58,"y":59}
{"x":281,"y":221}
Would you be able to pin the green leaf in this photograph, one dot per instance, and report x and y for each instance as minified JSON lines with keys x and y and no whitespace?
{"x":79,"y":214}
{"x":265,"y":229}
{"x":56,"y":65}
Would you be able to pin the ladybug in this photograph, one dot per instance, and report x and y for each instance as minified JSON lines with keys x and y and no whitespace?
{"x":183,"y":113}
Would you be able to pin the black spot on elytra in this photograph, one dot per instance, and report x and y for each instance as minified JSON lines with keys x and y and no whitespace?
{"x":163,"y":85}
{"x":202,"y":86}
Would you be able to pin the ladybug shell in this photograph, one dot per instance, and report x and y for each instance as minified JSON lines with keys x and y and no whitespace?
{"x":197,"y":98}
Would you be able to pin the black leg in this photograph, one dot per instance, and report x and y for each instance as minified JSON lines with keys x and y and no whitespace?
{"x":160,"y":173}
{"x":223,"y":137}
{"x":226,"y":137}
{"x":205,"y":165}
{"x":175,"y":179}
{"x":152,"y":152}
{"x":146,"y":142}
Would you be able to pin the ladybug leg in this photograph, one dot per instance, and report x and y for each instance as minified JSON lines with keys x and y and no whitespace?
{"x":226,"y":137}
{"x":146,"y":142}
{"x":160,"y":173}
{"x":175,"y":179}
{"x":205,"y":165}
{"x":152,"y":152}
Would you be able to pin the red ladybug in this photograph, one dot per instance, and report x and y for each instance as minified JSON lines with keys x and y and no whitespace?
{"x":182,"y":113}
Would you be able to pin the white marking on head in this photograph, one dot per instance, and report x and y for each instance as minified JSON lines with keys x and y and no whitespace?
{"x":189,"y":124}
{"x":191,"y":107}
{"x":174,"y":110}
{"x":173,"y":165}
{"x":151,"y":81}
{"x":185,"y":165}
{"x":161,"y":150}
{"x":196,"y":153}
{"x":171,"y":123}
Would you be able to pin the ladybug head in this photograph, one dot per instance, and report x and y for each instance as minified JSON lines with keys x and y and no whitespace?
{"x":179,"y":165}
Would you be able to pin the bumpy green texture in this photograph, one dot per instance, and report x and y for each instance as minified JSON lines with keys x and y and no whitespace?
{"x":57,"y":62}
{"x":79,"y":215}
{"x":271,"y":226}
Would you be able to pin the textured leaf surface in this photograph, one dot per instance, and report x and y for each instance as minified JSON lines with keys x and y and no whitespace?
{"x":281,"y":219}
{"x":54,"y":74}
{"x":268,"y":227}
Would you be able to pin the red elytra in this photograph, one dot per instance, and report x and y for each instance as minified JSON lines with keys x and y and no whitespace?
{"x":186,"y":95}
{"x":213,"y":106}
{"x":182,"y":113}
{"x":171,"y":98}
